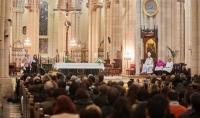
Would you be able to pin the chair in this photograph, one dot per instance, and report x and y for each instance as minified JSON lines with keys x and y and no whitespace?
{"x":12,"y":68}
{"x":131,"y":70}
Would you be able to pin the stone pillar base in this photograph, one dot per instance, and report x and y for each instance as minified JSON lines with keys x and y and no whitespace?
{"x":6,"y":87}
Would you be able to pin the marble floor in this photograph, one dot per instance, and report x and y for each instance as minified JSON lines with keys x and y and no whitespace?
{"x":10,"y":110}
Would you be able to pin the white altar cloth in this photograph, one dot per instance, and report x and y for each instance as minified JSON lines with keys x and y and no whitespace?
{"x":78,"y":66}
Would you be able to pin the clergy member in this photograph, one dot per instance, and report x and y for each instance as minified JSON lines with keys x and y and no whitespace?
{"x":169,"y":66}
{"x":148,"y":65}
{"x":159,"y":65}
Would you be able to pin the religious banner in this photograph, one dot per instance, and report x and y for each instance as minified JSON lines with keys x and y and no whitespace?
{"x":43,"y":45}
{"x":150,"y":7}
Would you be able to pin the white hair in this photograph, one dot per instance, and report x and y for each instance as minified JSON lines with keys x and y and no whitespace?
{"x":74,"y":77}
{"x":36,"y":77}
{"x":48,"y":85}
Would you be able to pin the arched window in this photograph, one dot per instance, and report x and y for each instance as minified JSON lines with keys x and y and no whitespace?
{"x":43,"y":18}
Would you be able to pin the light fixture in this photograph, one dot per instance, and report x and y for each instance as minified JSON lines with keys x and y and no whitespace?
{"x":27,"y":43}
{"x":73,"y":43}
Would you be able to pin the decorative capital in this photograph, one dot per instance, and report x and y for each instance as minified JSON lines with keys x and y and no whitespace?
{"x":107,"y":4}
{"x":97,"y":5}
{"x":117,"y":1}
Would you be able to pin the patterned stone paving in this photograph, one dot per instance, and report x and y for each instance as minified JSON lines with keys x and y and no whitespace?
{"x":10,"y":110}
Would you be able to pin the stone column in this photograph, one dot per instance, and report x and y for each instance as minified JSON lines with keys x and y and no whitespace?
{"x":94,"y":28}
{"x":5,"y":15}
{"x":2,"y":22}
{"x":107,"y":29}
{"x":198,"y":50}
{"x":194,"y":35}
{"x":188,"y":49}
{"x":129,"y":33}
{"x":138,"y":37}
{"x":7,"y":37}
{"x":33,"y":26}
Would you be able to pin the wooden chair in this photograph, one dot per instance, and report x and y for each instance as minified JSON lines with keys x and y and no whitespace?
{"x":131,"y":70}
{"x":12,"y":68}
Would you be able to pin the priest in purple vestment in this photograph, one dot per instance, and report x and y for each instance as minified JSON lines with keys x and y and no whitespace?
{"x":159,"y":65}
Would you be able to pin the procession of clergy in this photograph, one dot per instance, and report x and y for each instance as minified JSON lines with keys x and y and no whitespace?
{"x":148,"y":65}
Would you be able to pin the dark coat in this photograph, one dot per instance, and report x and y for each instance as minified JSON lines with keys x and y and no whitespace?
{"x":106,"y":110}
{"x":100,"y":100}
{"x":82,"y":103}
{"x":186,"y":114}
{"x":195,"y":115}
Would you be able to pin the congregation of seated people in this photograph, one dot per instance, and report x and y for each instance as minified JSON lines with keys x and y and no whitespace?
{"x":67,"y":96}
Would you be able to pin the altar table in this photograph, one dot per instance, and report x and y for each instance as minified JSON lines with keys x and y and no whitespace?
{"x":79,"y":68}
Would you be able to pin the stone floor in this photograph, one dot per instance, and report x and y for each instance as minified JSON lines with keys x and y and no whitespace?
{"x":10,"y":110}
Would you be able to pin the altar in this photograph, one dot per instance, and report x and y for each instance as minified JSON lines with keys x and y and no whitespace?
{"x":79,"y":68}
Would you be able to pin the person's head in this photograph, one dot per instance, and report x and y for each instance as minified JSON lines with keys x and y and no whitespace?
{"x":64,"y":105}
{"x":91,"y":111}
{"x":164,"y":91}
{"x":130,"y":82}
{"x":48,"y":85}
{"x":101,"y":78}
{"x":73,"y":87}
{"x":114,"y":83}
{"x":172,"y":76}
{"x":163,"y":77}
{"x":112,"y":94}
{"x":182,"y":76}
{"x":195,"y":101}
{"x":34,"y":56}
{"x":154,"y":89}
{"x":149,"y":54}
{"x":92,"y":78}
{"x":159,"y":59}
{"x":59,"y":91}
{"x":169,"y":59}
{"x":53,"y":77}
{"x":74,"y":78}
{"x":61,"y":84}
{"x":132,"y":93}
{"x":121,"y":83}
{"x":103,"y":89}
{"x":50,"y":92}
{"x":121,"y":89}
{"x":187,"y":97}
{"x":86,"y":82}
{"x":172,"y":95}
{"x":81,"y":94}
{"x":154,"y":76}
{"x":183,"y":68}
{"x":37,"y":81}
{"x":142,"y":95}
{"x":157,"y":106}
{"x":46,"y":78}
{"x":121,"y":108}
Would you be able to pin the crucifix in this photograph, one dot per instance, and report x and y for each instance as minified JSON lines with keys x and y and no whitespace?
{"x":67,"y":22}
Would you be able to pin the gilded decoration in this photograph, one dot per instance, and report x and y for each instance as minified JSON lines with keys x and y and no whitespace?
{"x":150,"y":7}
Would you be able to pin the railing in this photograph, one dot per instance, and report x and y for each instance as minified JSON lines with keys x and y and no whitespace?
{"x":29,"y":108}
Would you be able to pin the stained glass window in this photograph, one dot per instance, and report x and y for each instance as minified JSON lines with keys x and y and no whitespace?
{"x":43,"y":18}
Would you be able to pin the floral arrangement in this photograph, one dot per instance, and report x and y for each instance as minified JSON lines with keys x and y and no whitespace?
{"x":99,"y":61}
{"x":67,"y":58}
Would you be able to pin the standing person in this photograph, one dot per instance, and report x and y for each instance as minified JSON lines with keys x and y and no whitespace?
{"x":148,"y":65}
{"x":34,"y":64}
{"x":26,"y":62}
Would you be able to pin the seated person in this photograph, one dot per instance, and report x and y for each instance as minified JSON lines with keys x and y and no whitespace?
{"x":159,"y":65}
{"x":169,"y":66}
{"x":148,"y":65}
{"x":184,"y":70}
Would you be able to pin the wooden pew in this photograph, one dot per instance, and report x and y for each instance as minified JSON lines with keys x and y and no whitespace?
{"x":31,"y":106}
